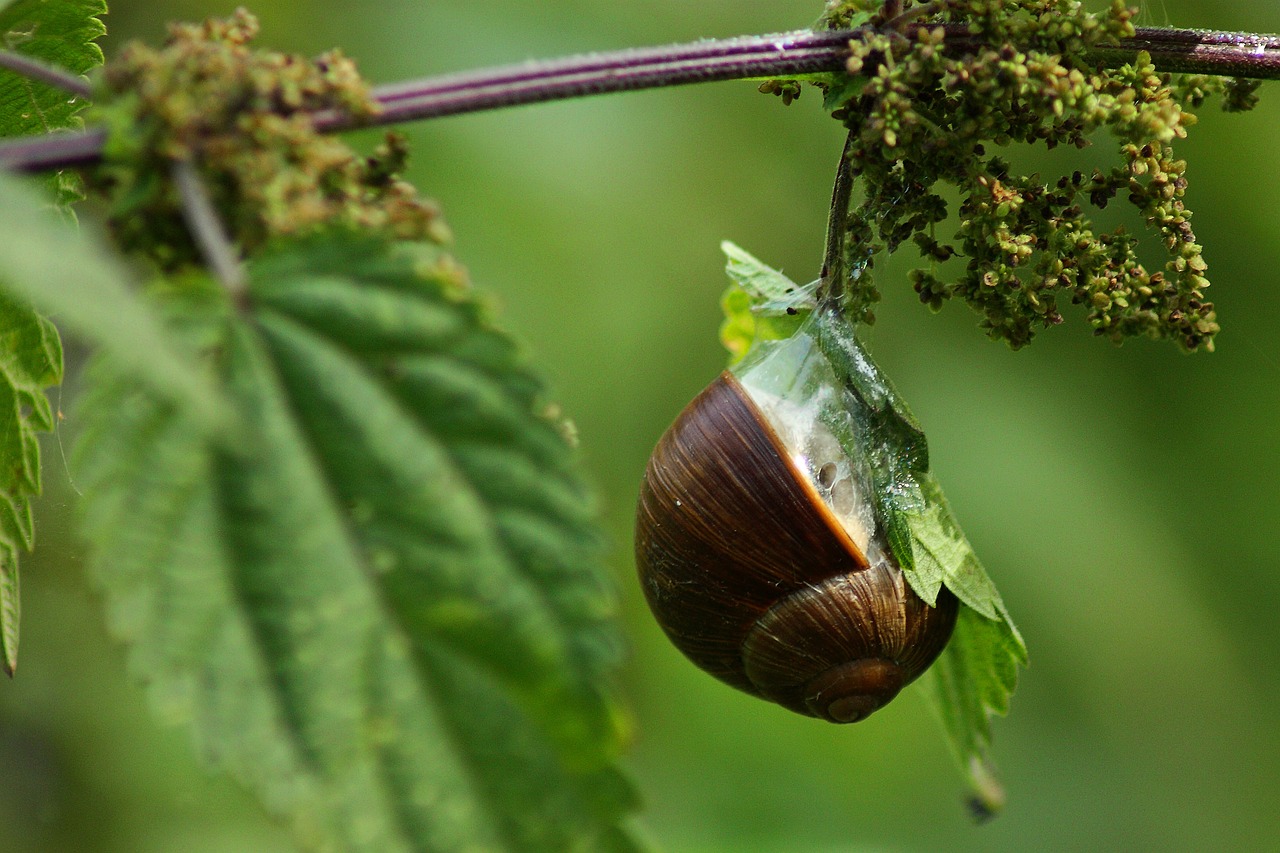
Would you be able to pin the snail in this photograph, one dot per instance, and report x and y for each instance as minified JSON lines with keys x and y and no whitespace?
{"x":762,"y":550}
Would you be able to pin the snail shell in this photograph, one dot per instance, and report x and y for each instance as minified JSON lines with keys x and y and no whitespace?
{"x":760,"y":582}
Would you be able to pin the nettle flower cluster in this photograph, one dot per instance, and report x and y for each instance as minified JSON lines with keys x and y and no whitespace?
{"x":931,"y":92}
{"x":247,"y":118}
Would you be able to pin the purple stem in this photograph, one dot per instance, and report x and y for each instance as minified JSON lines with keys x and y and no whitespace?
{"x":778,"y":55}
{"x":37,"y":70}
{"x":49,"y":151}
{"x":800,"y":52}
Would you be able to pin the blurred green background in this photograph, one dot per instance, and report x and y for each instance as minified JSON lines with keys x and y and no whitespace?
{"x":1124,"y":499}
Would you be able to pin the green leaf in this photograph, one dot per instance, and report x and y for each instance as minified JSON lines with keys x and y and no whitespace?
{"x":943,"y":555}
{"x":841,"y":91}
{"x":970,"y":682}
{"x":761,"y":304}
{"x":978,"y":672}
{"x":766,"y":286}
{"x":384,"y":608}
{"x":30,"y":351}
{"x":30,"y":361}
{"x":61,"y":33}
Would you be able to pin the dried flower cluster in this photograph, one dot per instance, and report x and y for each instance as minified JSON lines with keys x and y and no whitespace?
{"x":245,"y":118}
{"x":924,"y":110}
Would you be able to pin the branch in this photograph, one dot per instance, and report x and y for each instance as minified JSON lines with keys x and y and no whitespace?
{"x":1224,"y":54}
{"x":778,"y":55}
{"x":50,"y":151}
{"x":34,"y":69}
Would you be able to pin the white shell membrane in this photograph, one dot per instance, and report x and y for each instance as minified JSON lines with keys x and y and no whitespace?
{"x":795,"y":389}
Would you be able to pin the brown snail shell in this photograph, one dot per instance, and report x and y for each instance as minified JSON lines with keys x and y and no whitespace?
{"x":757,"y":581}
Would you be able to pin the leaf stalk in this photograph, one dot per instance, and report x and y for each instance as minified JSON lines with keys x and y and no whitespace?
{"x":209,"y":232}
{"x":831,"y":288}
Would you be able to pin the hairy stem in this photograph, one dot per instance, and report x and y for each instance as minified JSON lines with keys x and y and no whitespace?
{"x":778,"y":55}
{"x":34,"y":69}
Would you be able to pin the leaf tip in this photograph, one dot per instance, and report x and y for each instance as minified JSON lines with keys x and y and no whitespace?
{"x":986,"y":797}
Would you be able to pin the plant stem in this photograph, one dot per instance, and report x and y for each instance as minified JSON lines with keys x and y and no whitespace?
{"x":45,"y":73}
{"x":831,"y":288}
{"x":208,"y":231}
{"x":779,"y":55}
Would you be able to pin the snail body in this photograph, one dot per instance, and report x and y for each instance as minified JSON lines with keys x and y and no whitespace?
{"x":761,"y":554}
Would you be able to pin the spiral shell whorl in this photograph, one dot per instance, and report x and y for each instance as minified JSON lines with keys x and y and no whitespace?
{"x":847,"y":644}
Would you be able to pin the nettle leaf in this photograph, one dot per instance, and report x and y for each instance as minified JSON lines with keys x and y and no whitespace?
{"x":61,"y":33}
{"x":767,"y":287}
{"x":380,"y":603}
{"x":942,"y":555}
{"x":761,"y":304}
{"x":973,"y":679}
{"x":30,"y":351}
{"x":977,"y":673}
{"x":30,"y":361}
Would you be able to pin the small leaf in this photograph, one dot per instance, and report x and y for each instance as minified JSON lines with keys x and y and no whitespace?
{"x":30,"y":361}
{"x":383,"y":609}
{"x":772,"y":294}
{"x":738,"y":330}
{"x":978,"y":672}
{"x":762,"y":283}
{"x":941,"y":551}
{"x":30,"y":352}
{"x":970,"y":682}
{"x":841,"y":92}
{"x":761,"y":304}
{"x":60,"y":33}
